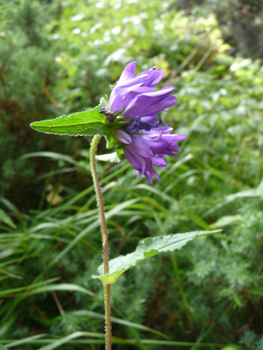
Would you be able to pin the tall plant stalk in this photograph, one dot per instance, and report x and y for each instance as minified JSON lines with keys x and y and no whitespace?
{"x":105,"y":242}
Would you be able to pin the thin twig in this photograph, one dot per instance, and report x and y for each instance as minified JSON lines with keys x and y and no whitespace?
{"x":57,"y":301}
{"x":187,"y":60}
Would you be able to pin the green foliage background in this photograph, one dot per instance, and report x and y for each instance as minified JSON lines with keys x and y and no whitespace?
{"x":58,"y":57}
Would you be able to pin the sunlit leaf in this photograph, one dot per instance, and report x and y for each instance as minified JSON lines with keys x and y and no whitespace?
{"x":148,"y":247}
{"x":98,"y":338}
{"x":233,"y":347}
{"x":6,"y":219}
{"x":85,"y":123}
{"x":26,"y":288}
{"x":226,"y":220}
{"x":25,"y":340}
{"x":56,"y":343}
{"x":92,"y":314}
{"x":257,"y":192}
{"x":66,"y":287}
{"x":51,"y":155}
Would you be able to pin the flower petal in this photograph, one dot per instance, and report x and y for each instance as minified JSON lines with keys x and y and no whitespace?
{"x":123,"y":136}
{"x":123,"y":96}
{"x":128,"y":72}
{"x":148,"y":147}
{"x":145,"y":104}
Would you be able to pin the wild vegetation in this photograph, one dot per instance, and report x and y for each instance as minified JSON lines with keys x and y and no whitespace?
{"x":58,"y":57}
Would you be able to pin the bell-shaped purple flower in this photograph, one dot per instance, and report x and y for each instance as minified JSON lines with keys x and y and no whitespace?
{"x":146,"y":149}
{"x":145,"y":140}
{"x":135,"y":95}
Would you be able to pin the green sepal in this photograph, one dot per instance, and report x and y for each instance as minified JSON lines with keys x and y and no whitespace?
{"x":119,"y":152}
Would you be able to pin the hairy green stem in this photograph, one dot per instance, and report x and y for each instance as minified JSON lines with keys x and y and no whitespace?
{"x":105,"y":244}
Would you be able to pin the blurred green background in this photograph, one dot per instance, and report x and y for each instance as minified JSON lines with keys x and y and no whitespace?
{"x":58,"y":57}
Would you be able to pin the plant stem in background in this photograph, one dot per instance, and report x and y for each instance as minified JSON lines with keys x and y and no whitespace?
{"x":105,"y":244}
{"x":181,"y":289}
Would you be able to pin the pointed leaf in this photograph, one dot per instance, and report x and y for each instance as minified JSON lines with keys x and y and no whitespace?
{"x":6,"y":219}
{"x":92,"y":314}
{"x":58,"y":342}
{"x":148,"y":247}
{"x":25,"y":340}
{"x":227,"y":220}
{"x":85,"y":123}
{"x":67,"y":287}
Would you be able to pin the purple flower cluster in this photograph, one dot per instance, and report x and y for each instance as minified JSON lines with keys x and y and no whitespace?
{"x":146,"y":140}
{"x":136,"y":95}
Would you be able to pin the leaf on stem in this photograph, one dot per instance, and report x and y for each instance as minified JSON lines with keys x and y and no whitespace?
{"x":148,"y":247}
{"x":85,"y":123}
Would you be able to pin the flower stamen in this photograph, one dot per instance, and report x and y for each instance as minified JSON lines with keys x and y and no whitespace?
{"x":137,"y":125}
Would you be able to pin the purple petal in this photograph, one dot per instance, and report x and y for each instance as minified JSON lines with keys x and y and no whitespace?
{"x":159,"y":147}
{"x":140,"y":105}
{"x":158,"y":161}
{"x":148,"y":177}
{"x":161,"y":106}
{"x":157,"y":132}
{"x":123,"y":96}
{"x":128,"y":72}
{"x":156,"y":78}
{"x":149,"y":119}
{"x":137,"y":162}
{"x":154,"y":173}
{"x":153,"y":69}
{"x":141,"y":148}
{"x":174,"y":148}
{"x":137,"y":80}
{"x":123,"y":136}
{"x":174,"y":137}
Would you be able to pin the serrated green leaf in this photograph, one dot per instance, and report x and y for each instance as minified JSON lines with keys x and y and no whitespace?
{"x":110,"y":157}
{"x":85,"y":123}
{"x":148,"y":247}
